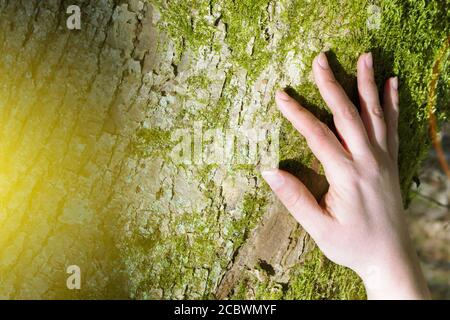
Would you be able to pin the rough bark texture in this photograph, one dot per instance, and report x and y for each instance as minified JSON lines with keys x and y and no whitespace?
{"x":87,"y":170}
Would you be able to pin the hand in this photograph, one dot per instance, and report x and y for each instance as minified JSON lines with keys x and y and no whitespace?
{"x":360,"y":222}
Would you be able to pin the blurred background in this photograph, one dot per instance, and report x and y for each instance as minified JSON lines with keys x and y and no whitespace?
{"x":429,"y":220}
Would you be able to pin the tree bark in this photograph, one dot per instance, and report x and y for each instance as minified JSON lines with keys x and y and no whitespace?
{"x":93,"y":122}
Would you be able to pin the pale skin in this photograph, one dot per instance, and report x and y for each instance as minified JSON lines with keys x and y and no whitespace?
{"x":360,"y":221}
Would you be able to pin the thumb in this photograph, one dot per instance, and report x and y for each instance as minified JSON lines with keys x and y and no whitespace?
{"x":298,"y":200}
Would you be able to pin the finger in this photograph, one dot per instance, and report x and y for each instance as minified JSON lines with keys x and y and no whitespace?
{"x":298,"y":200}
{"x":371,"y":112}
{"x":391,"y":111}
{"x":346,"y":117}
{"x":322,"y":141}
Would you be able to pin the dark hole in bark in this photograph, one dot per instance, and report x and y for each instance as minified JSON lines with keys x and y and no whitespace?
{"x":267,"y":267}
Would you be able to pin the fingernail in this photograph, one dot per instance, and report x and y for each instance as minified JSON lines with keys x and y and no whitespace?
{"x":273,"y":178}
{"x":282,"y":95}
{"x":322,"y":60}
{"x":394,"y":83}
{"x":369,"y":60}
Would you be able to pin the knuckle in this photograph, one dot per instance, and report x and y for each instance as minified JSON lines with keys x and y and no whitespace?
{"x":321,"y":130}
{"x":350,"y":112}
{"x":289,"y":196}
{"x":330,"y":81}
{"x":370,"y":82}
{"x":294,"y":199}
{"x":378,"y":112}
{"x":318,"y":134}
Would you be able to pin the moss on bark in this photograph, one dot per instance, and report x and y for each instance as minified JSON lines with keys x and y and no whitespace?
{"x":88,"y":120}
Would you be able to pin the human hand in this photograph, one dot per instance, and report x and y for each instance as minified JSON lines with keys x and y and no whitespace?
{"x":359,"y":223}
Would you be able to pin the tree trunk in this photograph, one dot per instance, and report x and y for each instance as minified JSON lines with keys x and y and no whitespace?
{"x":132,"y":147}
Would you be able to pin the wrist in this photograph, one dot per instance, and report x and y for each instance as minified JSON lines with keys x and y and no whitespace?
{"x":397,"y":277}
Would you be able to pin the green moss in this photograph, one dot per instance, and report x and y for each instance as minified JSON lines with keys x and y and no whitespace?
{"x":199,"y":81}
{"x":253,"y":206}
{"x":217,"y":115}
{"x":183,"y":29}
{"x":317,"y":277}
{"x":188,"y":26}
{"x":150,"y":142}
{"x":266,"y":291}
{"x":411,"y":35}
{"x":442,"y":101}
{"x":246,"y":21}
